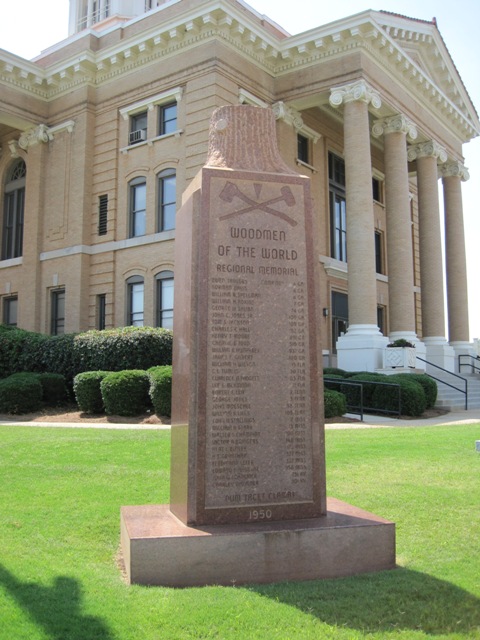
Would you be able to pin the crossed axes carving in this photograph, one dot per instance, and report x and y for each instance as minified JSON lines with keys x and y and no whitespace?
{"x":231,"y":191}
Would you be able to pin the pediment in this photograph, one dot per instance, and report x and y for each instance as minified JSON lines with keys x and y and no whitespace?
{"x":422,"y":43}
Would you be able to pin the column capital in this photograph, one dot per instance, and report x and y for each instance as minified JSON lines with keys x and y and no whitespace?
{"x":40,"y":133}
{"x":430,"y":149}
{"x":395,"y":124}
{"x":356,"y":91}
{"x":33,"y":136}
{"x":454,"y":169}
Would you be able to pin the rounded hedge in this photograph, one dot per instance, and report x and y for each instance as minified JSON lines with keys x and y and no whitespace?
{"x":334,"y":371}
{"x":161,"y":389}
{"x":126,"y":393}
{"x":335,"y":403}
{"x":124,"y":348}
{"x":86,"y":388}
{"x":429,"y":386}
{"x":413,"y":401}
{"x":352,"y":393}
{"x":20,"y":393}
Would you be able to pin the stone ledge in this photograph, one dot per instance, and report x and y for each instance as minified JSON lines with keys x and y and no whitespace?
{"x":158,"y":549}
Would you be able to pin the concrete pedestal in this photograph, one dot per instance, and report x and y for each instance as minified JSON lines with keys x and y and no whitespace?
{"x":158,"y":549}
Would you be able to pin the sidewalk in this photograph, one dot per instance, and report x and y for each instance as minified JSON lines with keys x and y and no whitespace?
{"x":369,"y":421}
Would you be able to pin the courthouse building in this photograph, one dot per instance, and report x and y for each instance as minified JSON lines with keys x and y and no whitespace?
{"x":103,"y":132}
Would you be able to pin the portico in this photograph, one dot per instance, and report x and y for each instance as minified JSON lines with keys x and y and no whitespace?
{"x":361,"y":348}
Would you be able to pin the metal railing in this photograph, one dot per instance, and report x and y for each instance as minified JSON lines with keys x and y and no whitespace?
{"x":359,"y":408}
{"x":473,"y":359}
{"x":464,"y":391}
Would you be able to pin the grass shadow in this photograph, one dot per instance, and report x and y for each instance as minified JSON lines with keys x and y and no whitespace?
{"x":56,"y":609}
{"x":391,"y":600}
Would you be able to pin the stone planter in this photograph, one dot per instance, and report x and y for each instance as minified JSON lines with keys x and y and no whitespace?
{"x":399,"y":358}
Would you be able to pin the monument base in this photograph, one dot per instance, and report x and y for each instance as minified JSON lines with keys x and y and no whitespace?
{"x":158,"y":549}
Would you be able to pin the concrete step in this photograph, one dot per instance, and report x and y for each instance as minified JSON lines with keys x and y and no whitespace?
{"x":454,"y":400}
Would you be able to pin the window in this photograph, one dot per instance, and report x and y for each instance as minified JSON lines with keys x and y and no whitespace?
{"x":167,"y":199}
{"x":379,"y":252}
{"x":338,"y":208}
{"x":138,"y":207}
{"x":101,"y":311}
{"x":13,"y":211}
{"x":58,"y":312}
{"x":102,"y":214}
{"x":339,"y":317}
{"x":381,"y":319}
{"x":377,"y":190}
{"x":10,"y":311}
{"x":168,"y":118}
{"x":164,"y":313}
{"x":138,"y":127}
{"x":303,"y":149}
{"x":135,"y":293}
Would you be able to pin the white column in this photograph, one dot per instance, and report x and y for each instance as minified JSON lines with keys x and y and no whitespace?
{"x":431,"y":263}
{"x":453,"y":173}
{"x":362,"y":346}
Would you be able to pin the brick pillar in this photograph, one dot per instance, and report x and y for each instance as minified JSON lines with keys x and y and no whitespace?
{"x":431,"y":263}
{"x":455,"y":257}
{"x":363,"y":344}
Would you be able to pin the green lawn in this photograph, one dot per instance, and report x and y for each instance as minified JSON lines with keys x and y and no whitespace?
{"x":60,"y":496}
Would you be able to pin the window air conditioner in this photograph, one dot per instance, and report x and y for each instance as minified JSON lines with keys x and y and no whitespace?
{"x":137,"y":136}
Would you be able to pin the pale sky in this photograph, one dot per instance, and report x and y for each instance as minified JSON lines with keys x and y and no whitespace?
{"x":29,"y":26}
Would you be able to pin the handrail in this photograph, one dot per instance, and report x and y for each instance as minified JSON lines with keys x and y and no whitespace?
{"x":468,"y":364}
{"x":464,"y":391}
{"x":359,"y":383}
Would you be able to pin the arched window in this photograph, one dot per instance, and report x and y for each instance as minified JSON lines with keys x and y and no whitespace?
{"x":135,"y":305}
{"x":164,"y":300}
{"x":13,"y":211}
{"x":167,"y":199}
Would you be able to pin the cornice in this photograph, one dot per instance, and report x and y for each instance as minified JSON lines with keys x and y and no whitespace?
{"x":244,"y":32}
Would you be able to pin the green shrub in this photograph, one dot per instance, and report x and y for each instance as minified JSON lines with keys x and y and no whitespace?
{"x":161,"y":389}
{"x":412,"y":396}
{"x":20,"y":393}
{"x":58,"y":356}
{"x":20,"y":351}
{"x":125,"y":393}
{"x":87,"y":392}
{"x":334,"y":371}
{"x":429,"y":386}
{"x":54,"y":388}
{"x":123,"y":348}
{"x":333,"y":383}
{"x":335,"y":403}
{"x":352,"y":393}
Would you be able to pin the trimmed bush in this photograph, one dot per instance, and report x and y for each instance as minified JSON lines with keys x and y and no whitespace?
{"x":54,"y":388}
{"x":20,"y":393}
{"x":412,"y":396}
{"x":125,"y":348}
{"x":86,"y":388}
{"x":161,"y":389}
{"x":69,"y":354}
{"x":335,"y":403}
{"x":352,"y":393}
{"x":429,"y":386}
{"x":125,"y":393}
{"x":20,"y":351}
{"x":334,"y":371}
